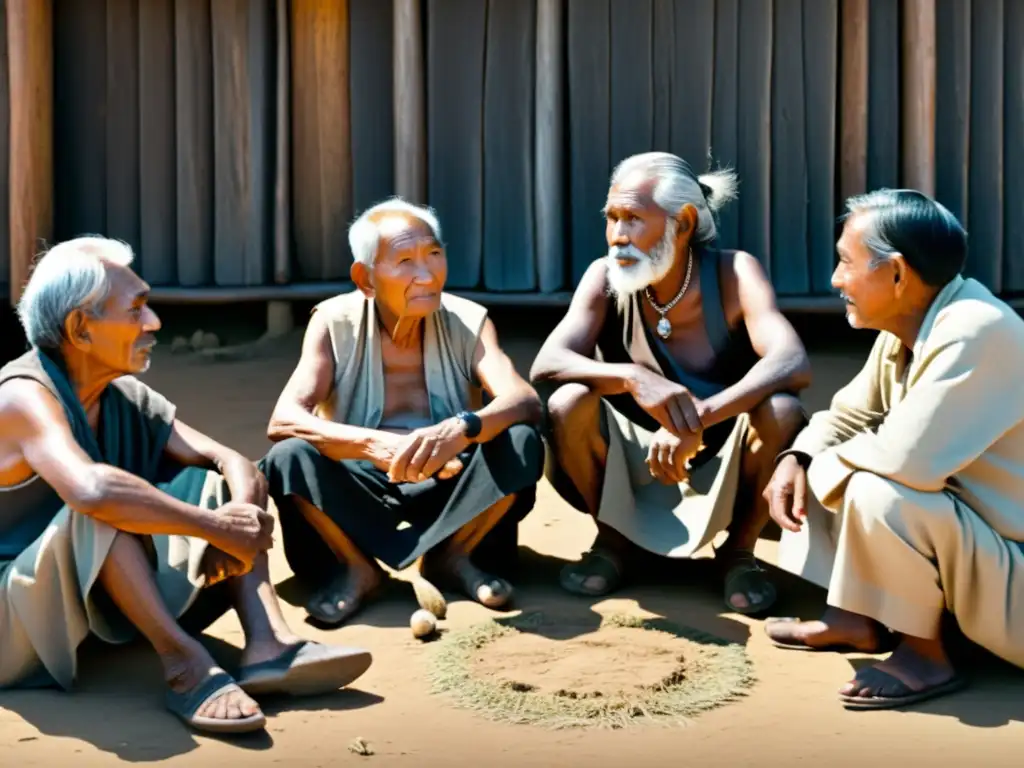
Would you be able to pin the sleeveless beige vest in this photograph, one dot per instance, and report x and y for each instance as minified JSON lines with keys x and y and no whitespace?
{"x":450,"y":338}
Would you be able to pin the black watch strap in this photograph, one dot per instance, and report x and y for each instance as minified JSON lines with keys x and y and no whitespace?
{"x":472,"y":422}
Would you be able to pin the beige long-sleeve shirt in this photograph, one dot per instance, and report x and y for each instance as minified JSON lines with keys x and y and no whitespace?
{"x":951,"y":418}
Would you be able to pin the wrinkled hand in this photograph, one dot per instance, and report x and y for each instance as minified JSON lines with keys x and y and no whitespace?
{"x":429,"y":451}
{"x":668,"y":403}
{"x":220,"y":566}
{"x":667,"y":456}
{"x":245,"y":481}
{"x":242,"y":531}
{"x":786,"y":494}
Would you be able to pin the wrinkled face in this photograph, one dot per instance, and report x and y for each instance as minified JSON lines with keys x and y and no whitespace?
{"x":410,"y":270}
{"x":122,"y":337}
{"x":868,"y":286}
{"x":641,"y":237}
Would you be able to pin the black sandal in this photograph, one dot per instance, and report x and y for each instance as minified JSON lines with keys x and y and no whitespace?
{"x":746,"y":577}
{"x":594,"y":563}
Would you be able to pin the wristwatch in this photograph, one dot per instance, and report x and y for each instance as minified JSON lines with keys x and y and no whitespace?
{"x":472,"y":422}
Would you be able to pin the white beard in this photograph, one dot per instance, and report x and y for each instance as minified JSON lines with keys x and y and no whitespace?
{"x":623,"y":282}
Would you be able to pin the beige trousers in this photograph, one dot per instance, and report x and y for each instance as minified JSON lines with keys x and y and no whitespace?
{"x":903,"y":556}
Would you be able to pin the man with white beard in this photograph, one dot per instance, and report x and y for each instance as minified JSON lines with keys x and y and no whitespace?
{"x":676,"y":380}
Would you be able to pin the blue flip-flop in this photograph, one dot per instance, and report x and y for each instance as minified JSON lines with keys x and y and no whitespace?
{"x":185,"y":705}
{"x":305,"y":669}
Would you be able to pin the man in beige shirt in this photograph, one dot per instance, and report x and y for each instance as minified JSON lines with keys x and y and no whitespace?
{"x":916,"y":471}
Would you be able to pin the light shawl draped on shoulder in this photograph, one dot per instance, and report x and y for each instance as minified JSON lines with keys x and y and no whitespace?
{"x":450,"y":338}
{"x":47,"y":605}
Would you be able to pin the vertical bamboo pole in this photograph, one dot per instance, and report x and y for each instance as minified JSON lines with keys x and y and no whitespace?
{"x":918,"y":86}
{"x":30,"y":61}
{"x":853,"y":98}
{"x":410,"y":113}
{"x":549,"y":162}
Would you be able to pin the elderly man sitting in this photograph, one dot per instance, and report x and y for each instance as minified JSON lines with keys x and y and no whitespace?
{"x":916,"y":471}
{"x":116,"y":514}
{"x":677,"y":423}
{"x":382,"y":452}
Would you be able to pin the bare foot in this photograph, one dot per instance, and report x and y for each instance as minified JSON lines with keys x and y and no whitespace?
{"x":915,"y":666}
{"x":344,"y":596}
{"x":836,"y":629}
{"x":189,"y":668}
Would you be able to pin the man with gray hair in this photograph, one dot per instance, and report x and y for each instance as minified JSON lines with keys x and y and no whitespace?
{"x":905,"y":499}
{"x":384,"y":447}
{"x":116,"y":514}
{"x":676,"y":378}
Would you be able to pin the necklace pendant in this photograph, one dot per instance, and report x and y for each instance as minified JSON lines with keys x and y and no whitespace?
{"x":664,"y":328}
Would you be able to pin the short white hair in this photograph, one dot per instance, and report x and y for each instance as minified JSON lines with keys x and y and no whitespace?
{"x":70,"y":275}
{"x":676,"y":185}
{"x":364,"y":234}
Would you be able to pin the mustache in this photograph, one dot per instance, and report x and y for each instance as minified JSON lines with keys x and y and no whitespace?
{"x":629,"y":251}
{"x":146,"y":342}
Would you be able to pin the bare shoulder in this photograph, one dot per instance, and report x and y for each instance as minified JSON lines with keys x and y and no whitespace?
{"x":25,"y":404}
{"x":746,"y":288}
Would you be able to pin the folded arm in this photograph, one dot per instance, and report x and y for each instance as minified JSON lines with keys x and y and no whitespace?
{"x":310,"y":384}
{"x":514,"y":400}
{"x":568,"y":355}
{"x":783,"y":364}
{"x":33,"y":419}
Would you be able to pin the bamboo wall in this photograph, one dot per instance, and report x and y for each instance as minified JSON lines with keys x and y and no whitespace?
{"x":232,"y":141}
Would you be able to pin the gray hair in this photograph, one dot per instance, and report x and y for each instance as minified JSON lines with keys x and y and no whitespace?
{"x":677,"y":186}
{"x":908,"y":222}
{"x":364,"y":234}
{"x":70,"y":275}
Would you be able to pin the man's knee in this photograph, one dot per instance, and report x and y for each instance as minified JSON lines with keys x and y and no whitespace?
{"x":287,"y":456}
{"x":777,"y":420}
{"x":528,"y":446}
{"x":573,"y":405}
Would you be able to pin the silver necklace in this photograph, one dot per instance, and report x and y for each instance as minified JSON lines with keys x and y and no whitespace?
{"x":664,"y":327}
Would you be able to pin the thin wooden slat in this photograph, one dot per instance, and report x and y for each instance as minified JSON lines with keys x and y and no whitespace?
{"x":242,"y":126}
{"x":725,"y":137}
{"x":193,"y":78}
{"x":456,"y":32}
{"x":79,"y":117}
{"x":30,"y":71}
{"x":1013,"y":144}
{"x":410,"y":105}
{"x":5,"y":154}
{"x":371,"y":84}
{"x":632,"y":79}
{"x":693,"y":81}
{"x":549,"y":148}
{"x":789,"y":184}
{"x":985,"y":207}
{"x":589,"y":39}
{"x":321,"y":146}
{"x":953,"y":104}
{"x":508,"y":224}
{"x":821,"y":61}
{"x":157,"y":205}
{"x":853,"y":99}
{"x":122,"y":122}
{"x":282,"y":147}
{"x":754,"y":115}
{"x":662,"y":63}
{"x":884,"y":94}
{"x":918,"y":95}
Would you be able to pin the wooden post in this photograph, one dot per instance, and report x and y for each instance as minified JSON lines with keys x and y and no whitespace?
{"x":30,"y":61}
{"x":410,"y":115}
{"x":853,"y":98}
{"x":549,"y":162}
{"x":918,"y":96}
{"x":279,"y":313}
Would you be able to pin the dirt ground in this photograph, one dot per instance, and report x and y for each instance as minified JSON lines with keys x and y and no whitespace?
{"x":791,"y":715}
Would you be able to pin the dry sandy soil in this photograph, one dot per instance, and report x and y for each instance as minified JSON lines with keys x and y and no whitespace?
{"x":790,"y":716}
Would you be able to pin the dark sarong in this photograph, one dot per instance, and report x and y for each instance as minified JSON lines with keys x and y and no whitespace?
{"x":397,"y":523}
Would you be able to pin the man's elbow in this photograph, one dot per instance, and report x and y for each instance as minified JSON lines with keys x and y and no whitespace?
{"x":544,"y":368}
{"x":533,"y":409}
{"x":280,"y":427}
{"x":801,"y":376}
{"x":92,"y":490}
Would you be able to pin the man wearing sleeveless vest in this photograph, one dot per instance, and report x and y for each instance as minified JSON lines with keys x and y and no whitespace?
{"x":115,"y":515}
{"x":675,"y":380}
{"x":384,"y":449}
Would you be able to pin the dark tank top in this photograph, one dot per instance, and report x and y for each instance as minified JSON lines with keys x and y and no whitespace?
{"x":734,"y":354}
